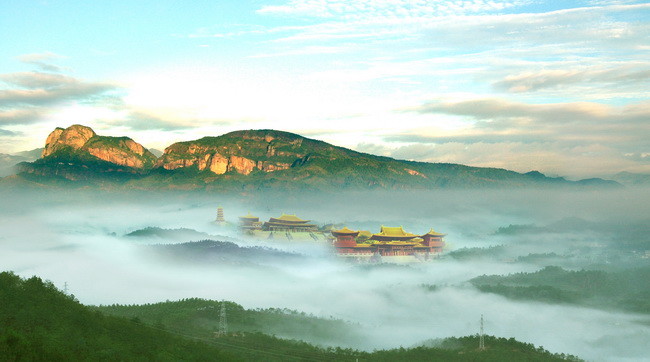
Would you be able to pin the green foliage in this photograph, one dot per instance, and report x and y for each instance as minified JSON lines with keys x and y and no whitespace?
{"x":627,"y":289}
{"x":476,"y":253}
{"x":40,"y":323}
{"x":466,"y":349}
{"x":538,"y":257}
{"x":200,"y":317}
{"x":312,"y":165}
{"x":120,"y":143}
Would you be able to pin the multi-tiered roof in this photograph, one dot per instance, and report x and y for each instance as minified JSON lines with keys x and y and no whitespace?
{"x":392,"y":234}
{"x":288,"y":223}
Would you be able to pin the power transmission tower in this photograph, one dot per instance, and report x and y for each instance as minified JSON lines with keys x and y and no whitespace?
{"x":65,"y":288}
{"x":223,"y":321}
{"x":481,"y":337}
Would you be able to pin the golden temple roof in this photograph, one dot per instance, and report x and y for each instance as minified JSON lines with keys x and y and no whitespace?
{"x":394,"y":231}
{"x":365,"y":233}
{"x":249,"y":216}
{"x":397,"y":242}
{"x":434,"y":233}
{"x":289,"y":218}
{"x":345,"y":230}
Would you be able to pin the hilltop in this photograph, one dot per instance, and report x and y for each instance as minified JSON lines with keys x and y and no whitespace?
{"x":253,"y":160}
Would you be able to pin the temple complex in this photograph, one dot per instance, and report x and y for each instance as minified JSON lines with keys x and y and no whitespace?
{"x":392,"y":243}
{"x":389,"y":242}
{"x":284,"y":227}
{"x":288,"y":223}
{"x":249,"y":222}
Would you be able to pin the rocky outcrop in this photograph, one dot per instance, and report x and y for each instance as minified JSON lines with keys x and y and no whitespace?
{"x":242,"y":165}
{"x":80,"y":141}
{"x":414,"y":173}
{"x":241,"y":152}
{"x":74,"y":137}
{"x":219,"y":164}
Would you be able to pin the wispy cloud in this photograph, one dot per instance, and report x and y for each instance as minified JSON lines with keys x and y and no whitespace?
{"x":477,"y":23}
{"x":365,"y":9}
{"x":27,"y":97}
{"x":618,"y":76}
{"x":520,"y":113}
{"x":4,"y":132}
{"x":551,"y":157}
{"x":138,"y":119}
{"x":594,"y":138}
{"x":20,"y":116}
{"x":42,"y":61}
{"x":39,"y":89}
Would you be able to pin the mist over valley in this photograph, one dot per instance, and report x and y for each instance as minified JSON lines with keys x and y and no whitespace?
{"x":136,"y":248}
{"x":325,"y":180}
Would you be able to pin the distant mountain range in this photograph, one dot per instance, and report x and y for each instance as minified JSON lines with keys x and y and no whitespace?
{"x":8,"y":162}
{"x":632,"y":179}
{"x":252,"y":160}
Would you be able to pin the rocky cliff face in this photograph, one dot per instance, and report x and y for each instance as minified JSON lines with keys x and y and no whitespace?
{"x":74,"y":137}
{"x":82,"y":141}
{"x":241,"y":152}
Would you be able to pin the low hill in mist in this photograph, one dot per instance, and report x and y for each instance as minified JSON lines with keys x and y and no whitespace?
{"x":152,"y":233}
{"x":40,"y":323}
{"x":254,"y":160}
{"x":627,"y":290}
{"x":219,"y":253}
{"x":632,"y":179}
{"x":8,"y":162}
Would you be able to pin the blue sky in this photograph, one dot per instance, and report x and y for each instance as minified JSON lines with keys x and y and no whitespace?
{"x":560,"y":87}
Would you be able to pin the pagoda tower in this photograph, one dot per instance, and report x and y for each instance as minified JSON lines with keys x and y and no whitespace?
{"x":220,"y":219}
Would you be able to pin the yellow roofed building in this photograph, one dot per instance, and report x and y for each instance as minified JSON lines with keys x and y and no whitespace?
{"x":389,"y":242}
{"x":288,"y":223}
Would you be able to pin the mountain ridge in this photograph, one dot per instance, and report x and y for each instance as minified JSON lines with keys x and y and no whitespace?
{"x":257,"y":159}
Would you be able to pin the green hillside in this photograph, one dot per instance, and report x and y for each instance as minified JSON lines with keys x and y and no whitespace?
{"x":40,"y":323}
{"x":200,"y":317}
{"x":264,"y":159}
{"x":627,"y":290}
{"x":318,"y":164}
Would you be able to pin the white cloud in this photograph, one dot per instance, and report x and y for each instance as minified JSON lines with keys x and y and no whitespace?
{"x":551,"y":157}
{"x":42,"y":60}
{"x":371,"y":9}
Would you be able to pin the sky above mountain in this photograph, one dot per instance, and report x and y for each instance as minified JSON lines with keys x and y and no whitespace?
{"x":560,"y":87}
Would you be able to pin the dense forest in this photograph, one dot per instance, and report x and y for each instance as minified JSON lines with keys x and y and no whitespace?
{"x":200,"y":317}
{"x":627,"y":290}
{"x":40,"y":323}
